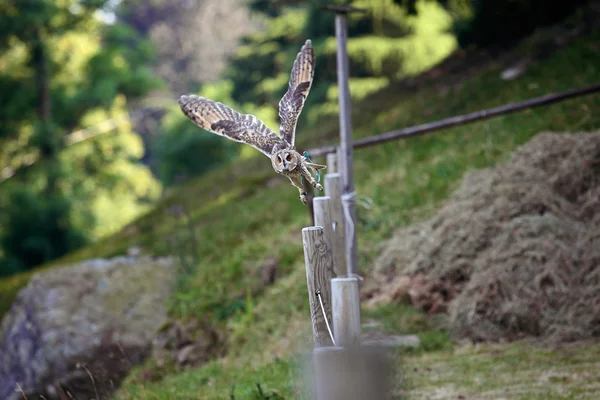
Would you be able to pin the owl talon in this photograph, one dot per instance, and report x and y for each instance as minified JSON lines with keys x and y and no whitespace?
{"x":318,"y":186}
{"x":303,"y":197}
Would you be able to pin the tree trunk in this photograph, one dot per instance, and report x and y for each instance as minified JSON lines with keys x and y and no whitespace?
{"x":47,"y":142}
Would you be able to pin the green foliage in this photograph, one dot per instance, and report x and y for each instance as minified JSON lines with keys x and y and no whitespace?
{"x":384,"y":43}
{"x":121,"y":66}
{"x":183,"y":150}
{"x":65,"y":133}
{"x":404,"y":319}
{"x":38,"y":230}
{"x":514,"y":371}
{"x":501,"y":23}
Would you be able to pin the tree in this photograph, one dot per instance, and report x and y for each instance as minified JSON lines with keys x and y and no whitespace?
{"x":193,"y":40}
{"x":58,"y":77}
{"x":386,"y":43}
{"x":502,"y":23}
{"x":499,"y":24}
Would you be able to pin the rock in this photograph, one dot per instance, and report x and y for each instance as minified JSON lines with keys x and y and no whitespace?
{"x":134,"y":251}
{"x":193,"y":354}
{"x":77,"y":330}
{"x":268,"y":272}
{"x":188,"y":344}
{"x":513,"y":72}
{"x":184,"y":354}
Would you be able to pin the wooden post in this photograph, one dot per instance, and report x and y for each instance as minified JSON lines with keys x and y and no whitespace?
{"x":323,"y":218}
{"x":329,"y":367}
{"x":355,"y":373}
{"x":309,"y":199}
{"x":333,"y":189}
{"x":319,"y":267}
{"x":340,"y":374}
{"x":345,"y":155}
{"x":346,"y":311}
{"x":332,"y":166}
{"x":341,"y":32}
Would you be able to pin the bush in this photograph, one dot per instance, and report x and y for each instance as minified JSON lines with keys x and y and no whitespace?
{"x":501,"y":23}
{"x":184,"y":150}
{"x":36,"y":230}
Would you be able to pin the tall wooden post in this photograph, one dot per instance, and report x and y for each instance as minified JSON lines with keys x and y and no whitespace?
{"x":333,"y":190}
{"x":309,"y":199}
{"x":332,"y":163}
{"x":323,"y":218}
{"x":345,"y":154}
{"x":340,"y":369}
{"x":346,"y":311}
{"x":319,"y":267}
{"x":341,"y":31}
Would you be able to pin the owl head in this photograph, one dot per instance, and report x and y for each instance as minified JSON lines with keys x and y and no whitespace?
{"x":285,"y":160}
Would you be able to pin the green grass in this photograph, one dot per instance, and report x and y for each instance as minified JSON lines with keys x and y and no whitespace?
{"x":406,"y":180}
{"x":240,"y":222}
{"x":517,"y":371}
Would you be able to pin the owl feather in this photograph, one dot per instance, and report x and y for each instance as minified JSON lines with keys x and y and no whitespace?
{"x":222,"y":120}
{"x":292,"y":102}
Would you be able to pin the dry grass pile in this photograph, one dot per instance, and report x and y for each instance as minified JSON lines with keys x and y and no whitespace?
{"x":515,"y":251}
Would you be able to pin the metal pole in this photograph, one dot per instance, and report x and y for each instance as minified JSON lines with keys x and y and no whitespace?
{"x":346,"y":167}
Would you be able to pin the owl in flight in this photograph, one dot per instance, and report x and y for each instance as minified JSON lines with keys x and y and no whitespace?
{"x":245,"y":128}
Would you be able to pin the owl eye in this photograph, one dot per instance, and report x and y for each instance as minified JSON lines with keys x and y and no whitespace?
{"x":288,"y":158}
{"x":279,"y":160}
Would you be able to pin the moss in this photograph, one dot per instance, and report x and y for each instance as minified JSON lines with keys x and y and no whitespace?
{"x":9,"y":288}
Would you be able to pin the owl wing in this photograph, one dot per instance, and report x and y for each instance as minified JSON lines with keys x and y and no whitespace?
{"x":224,"y":121}
{"x":292,"y":102}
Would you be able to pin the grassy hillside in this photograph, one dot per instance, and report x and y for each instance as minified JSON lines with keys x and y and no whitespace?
{"x":243,"y":215}
{"x":239,"y":225}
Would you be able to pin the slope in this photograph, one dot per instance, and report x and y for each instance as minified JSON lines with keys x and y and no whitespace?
{"x":242,"y":215}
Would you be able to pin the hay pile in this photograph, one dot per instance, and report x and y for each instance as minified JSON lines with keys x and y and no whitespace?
{"x":515,"y":251}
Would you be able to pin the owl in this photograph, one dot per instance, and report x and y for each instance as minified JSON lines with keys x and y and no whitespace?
{"x":222,"y":120}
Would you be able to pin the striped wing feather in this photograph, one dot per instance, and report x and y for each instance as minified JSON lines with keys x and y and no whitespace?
{"x":222,"y":120}
{"x":292,"y":102}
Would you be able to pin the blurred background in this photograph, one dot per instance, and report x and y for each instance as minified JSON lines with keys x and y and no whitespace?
{"x":98,"y":161}
{"x":91,"y":134}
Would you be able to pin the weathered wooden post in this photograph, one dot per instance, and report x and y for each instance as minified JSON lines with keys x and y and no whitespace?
{"x":333,"y":190}
{"x":345,"y":155}
{"x":352,"y":373}
{"x":309,"y":199}
{"x":319,"y":271}
{"x":323,"y":218}
{"x":346,"y":311}
{"x":347,"y":370}
{"x":332,"y":165}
